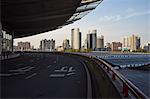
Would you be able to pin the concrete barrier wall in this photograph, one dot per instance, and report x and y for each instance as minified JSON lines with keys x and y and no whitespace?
{"x":9,"y":56}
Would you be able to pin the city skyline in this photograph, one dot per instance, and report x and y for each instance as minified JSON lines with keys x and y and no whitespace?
{"x":87,"y":40}
{"x":92,"y":42}
{"x":114,"y":24}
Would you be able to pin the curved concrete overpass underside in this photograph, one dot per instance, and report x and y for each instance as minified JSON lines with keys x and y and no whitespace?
{"x":30,"y":17}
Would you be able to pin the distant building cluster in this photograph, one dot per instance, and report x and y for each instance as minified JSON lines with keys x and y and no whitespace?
{"x":131,"y":43}
{"x":23,"y":46}
{"x":47,"y":45}
{"x":96,"y":43}
{"x":93,"y":42}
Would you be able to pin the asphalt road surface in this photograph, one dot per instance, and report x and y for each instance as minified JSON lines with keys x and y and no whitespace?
{"x":43,"y":75}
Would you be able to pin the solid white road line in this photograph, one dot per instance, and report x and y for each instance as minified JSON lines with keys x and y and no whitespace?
{"x":31,"y":75}
{"x":57,"y":75}
{"x":28,"y":69}
{"x":70,"y":74}
{"x":5,"y":75}
{"x":89,"y":87}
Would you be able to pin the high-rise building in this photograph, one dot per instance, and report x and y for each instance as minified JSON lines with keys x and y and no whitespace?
{"x":66,"y":44}
{"x":131,"y":43}
{"x":92,"y":39}
{"x":116,"y":46}
{"x":126,"y":43}
{"x":147,"y":47}
{"x":24,"y":46}
{"x":76,"y":39}
{"x":100,"y":41}
{"x":138,"y":43}
{"x":47,"y":45}
{"x":6,"y":42}
{"x":108,"y":46}
{"x":85,"y":46}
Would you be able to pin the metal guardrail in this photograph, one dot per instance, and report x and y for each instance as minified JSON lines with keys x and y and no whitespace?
{"x":128,"y":88}
{"x":127,"y":85}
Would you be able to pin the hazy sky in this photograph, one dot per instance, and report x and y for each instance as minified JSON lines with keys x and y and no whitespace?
{"x":112,"y":18}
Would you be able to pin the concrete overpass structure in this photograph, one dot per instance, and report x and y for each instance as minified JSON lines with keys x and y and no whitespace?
{"x":30,"y":17}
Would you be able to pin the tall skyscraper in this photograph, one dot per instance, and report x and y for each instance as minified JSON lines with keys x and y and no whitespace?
{"x":92,"y":39}
{"x":66,"y":44}
{"x":100,"y":41}
{"x":76,"y":39}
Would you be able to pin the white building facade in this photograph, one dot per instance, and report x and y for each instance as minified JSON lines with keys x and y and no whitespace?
{"x":76,"y":39}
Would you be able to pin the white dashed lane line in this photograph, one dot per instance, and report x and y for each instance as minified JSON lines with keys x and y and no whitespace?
{"x":19,"y":69}
{"x":30,"y":76}
{"x":49,"y":66}
{"x":70,"y":74}
{"x":57,"y":75}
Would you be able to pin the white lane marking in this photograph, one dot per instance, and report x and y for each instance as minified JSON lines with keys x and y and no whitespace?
{"x":19,"y":69}
{"x":70,"y":74}
{"x":28,"y":69}
{"x":24,"y":69}
{"x":89,"y":93}
{"x":5,"y":74}
{"x":49,"y":66}
{"x":60,"y":70}
{"x":63,"y":69}
{"x":57,"y":75}
{"x":18,"y":73}
{"x":31,"y":75}
{"x":71,"y":69}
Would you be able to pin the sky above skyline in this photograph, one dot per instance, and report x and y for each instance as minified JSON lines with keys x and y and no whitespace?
{"x":112,"y":18}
